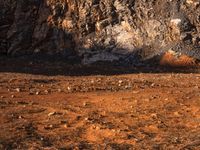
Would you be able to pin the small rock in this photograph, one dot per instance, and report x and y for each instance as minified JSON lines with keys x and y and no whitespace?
{"x":20,"y":117}
{"x":153,"y":97}
{"x":113,"y":130}
{"x":46,"y":91}
{"x":2,"y":97}
{"x":146,"y":99}
{"x":65,"y":126}
{"x":59,"y":90}
{"x":13,"y":96}
{"x":97,"y":128}
{"x":48,"y":127}
{"x":18,"y":89}
{"x":154,"y":115}
{"x":120,"y":81}
{"x":127,"y":87}
{"x":176,"y":114}
{"x":37,"y":93}
{"x":36,"y":50}
{"x":135,"y":92}
{"x":85,"y":104}
{"x":92,"y":81}
{"x":104,"y":113}
{"x":153,"y":84}
{"x":51,"y":114}
{"x":69,"y":88}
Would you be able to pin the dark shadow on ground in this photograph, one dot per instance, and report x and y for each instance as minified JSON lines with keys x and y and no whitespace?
{"x":57,"y":65}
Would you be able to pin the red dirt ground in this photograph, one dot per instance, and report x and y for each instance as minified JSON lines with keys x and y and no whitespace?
{"x":64,"y":110}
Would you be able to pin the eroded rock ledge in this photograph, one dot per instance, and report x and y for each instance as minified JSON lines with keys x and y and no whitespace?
{"x":129,"y":30}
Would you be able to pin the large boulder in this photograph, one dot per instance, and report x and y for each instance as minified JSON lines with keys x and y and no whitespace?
{"x":98,"y":30}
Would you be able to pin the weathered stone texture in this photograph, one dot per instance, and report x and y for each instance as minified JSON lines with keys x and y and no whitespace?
{"x":100,"y":29}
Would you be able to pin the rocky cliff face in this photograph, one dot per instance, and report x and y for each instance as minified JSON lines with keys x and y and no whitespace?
{"x":129,"y":30}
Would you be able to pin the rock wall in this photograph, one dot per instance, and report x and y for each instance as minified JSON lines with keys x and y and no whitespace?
{"x":100,"y":29}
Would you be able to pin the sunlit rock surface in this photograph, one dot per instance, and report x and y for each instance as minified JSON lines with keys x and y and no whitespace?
{"x":100,"y":30}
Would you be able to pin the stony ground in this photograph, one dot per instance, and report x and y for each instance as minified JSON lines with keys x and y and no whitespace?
{"x":54,"y":106}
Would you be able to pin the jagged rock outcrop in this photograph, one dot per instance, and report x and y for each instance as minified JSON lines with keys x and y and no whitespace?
{"x":100,"y":29}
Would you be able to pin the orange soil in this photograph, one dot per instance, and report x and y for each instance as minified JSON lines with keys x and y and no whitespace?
{"x":136,"y":111}
{"x":168,"y":59}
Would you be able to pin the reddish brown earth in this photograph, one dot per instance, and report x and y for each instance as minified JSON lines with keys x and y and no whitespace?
{"x":63,"y":107}
{"x":177,"y":61}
